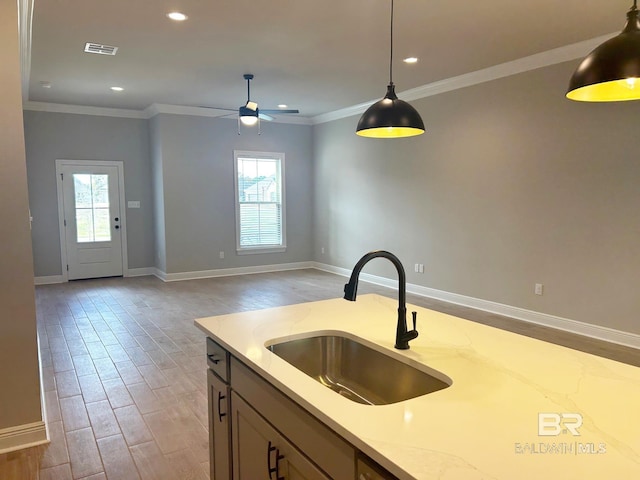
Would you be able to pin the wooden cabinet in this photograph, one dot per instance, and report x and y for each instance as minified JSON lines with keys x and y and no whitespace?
{"x":219,"y":411}
{"x":256,"y":432}
{"x":260,"y":452}
{"x":219,"y":428}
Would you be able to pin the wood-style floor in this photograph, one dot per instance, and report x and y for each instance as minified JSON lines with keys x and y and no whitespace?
{"x":125,"y":374}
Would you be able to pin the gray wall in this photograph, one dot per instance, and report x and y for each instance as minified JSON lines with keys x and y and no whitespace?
{"x":511,"y":185}
{"x":160,"y":259}
{"x":19,"y":377}
{"x":51,"y":136}
{"x":181,"y":170}
{"x":195,"y":155}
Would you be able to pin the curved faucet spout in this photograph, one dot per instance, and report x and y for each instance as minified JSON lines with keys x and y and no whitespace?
{"x":351,"y":290}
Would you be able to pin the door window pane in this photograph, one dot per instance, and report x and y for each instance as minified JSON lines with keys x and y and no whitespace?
{"x":84,"y":225}
{"x":92,"y":207}
{"x":101,"y":225}
{"x":82,"y":189}
{"x":100,"y":191}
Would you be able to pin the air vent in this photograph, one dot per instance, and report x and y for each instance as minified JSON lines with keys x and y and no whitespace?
{"x":100,"y":49}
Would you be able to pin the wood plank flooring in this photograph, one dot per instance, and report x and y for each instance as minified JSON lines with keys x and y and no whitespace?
{"x":125,"y":374}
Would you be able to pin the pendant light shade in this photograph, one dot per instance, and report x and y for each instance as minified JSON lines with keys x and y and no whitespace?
{"x":390,"y":117}
{"x":611,"y":72}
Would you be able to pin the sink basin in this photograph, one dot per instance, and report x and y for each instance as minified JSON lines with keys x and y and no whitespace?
{"x":358,"y":372}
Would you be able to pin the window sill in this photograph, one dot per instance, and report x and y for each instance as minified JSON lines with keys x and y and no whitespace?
{"x":256,"y":250}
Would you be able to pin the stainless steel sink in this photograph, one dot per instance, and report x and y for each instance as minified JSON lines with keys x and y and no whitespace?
{"x":357,"y":371}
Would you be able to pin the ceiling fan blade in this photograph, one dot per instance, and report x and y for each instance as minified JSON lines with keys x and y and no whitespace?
{"x":262,"y":116}
{"x":218,"y":108}
{"x":277,"y":111}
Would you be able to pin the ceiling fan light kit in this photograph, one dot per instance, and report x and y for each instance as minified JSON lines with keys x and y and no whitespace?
{"x":248,"y":116}
{"x":390,"y":117}
{"x":611,"y":72}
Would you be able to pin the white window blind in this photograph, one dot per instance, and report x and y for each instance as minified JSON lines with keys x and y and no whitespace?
{"x":259,"y":201}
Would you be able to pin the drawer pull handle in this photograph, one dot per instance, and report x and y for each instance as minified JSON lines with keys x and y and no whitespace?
{"x":270,"y":449}
{"x":220,"y":414}
{"x":275,"y":469}
{"x":213,"y":359}
{"x":278,"y":458}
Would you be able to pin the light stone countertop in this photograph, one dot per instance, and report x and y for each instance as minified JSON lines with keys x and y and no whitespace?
{"x":485,"y":425}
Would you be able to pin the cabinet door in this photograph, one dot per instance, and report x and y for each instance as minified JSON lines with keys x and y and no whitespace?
{"x":219,"y":428}
{"x":261,"y":453}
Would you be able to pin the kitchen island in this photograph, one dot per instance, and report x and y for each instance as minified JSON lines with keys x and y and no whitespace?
{"x":517,"y":407}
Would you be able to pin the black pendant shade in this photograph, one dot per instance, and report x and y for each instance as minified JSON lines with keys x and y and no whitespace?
{"x":390,"y":117}
{"x":611,"y":72}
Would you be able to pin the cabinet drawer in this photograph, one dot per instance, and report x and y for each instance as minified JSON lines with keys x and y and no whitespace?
{"x":319,"y":443}
{"x":218,"y":359}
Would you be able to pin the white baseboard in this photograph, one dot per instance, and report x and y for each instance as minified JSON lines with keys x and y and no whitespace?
{"x":131,"y":272}
{"x":140,"y":272}
{"x":225,"y":272}
{"x":573,"y":326}
{"x":23,"y":436}
{"x":48,"y":280}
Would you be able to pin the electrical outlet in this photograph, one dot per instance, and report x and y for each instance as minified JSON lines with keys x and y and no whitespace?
{"x":221,"y":254}
{"x":322,"y":250}
{"x":539,"y":289}
{"x":416,"y":268}
{"x":421,"y":268}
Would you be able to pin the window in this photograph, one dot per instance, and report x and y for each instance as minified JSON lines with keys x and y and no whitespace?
{"x":92,"y":207}
{"x":260,"y":215}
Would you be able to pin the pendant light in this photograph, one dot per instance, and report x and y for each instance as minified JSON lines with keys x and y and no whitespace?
{"x":611,"y":72}
{"x":390,"y":117}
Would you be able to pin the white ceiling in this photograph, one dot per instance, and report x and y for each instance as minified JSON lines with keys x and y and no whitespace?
{"x":317,"y":56}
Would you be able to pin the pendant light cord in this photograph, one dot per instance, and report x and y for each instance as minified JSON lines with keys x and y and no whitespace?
{"x":391,"y":53}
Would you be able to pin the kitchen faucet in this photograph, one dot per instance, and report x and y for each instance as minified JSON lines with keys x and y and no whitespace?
{"x":403,"y":337}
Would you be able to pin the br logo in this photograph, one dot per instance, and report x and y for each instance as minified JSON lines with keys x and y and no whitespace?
{"x":553,"y":424}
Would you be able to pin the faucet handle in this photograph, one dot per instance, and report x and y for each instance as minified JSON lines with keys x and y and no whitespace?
{"x":414,"y":315}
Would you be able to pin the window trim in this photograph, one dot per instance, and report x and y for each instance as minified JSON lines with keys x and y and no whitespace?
{"x":240,"y":250}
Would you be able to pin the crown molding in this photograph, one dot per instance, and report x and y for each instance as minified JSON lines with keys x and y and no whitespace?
{"x":82,"y":110}
{"x":525,"y":64}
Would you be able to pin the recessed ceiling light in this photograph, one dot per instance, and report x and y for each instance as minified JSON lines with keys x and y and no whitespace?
{"x":282,"y":105}
{"x":177,"y":16}
{"x":117,"y":89}
{"x":410,"y":60}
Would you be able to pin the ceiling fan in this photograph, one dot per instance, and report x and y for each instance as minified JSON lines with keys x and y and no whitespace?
{"x":249,"y":114}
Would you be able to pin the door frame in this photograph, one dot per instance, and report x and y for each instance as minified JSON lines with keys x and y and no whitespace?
{"x":60,"y":163}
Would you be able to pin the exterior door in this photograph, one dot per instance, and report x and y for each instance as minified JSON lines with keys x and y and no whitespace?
{"x":89,"y":197}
